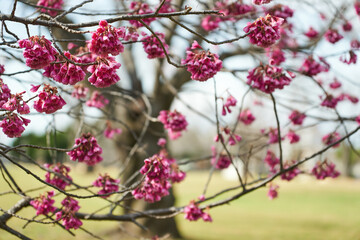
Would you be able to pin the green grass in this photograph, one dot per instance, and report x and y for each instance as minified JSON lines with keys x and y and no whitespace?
{"x":305,"y":209}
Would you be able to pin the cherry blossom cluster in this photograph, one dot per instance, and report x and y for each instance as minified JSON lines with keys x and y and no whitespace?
{"x":290,"y":173}
{"x":61,"y":179}
{"x":44,"y":203}
{"x":333,"y":36}
{"x":272,"y":161}
{"x":38,"y":52}
{"x":260,"y":2}
{"x":230,"y":102}
{"x":140,"y":8}
{"x":66,"y":72}
{"x":281,"y":11}
{"x":297,"y":117}
{"x":67,"y":214}
{"x":273,"y":136}
{"x":276,"y":56}
{"x":293,"y":137}
{"x":106,"y":40}
{"x":176,"y":175}
{"x":331,"y":138}
{"x":5,"y":93}
{"x":174,"y":122}
{"x":49,"y":101}
{"x":324,"y":169}
{"x":193,"y":213}
{"x":351,"y":59}
{"x":330,"y":101}
{"x":357,"y":7}
{"x":268,"y":78}
{"x":86,"y":150}
{"x":79,"y":91}
{"x":152,"y":46}
{"x":201,"y":64}
{"x":311,"y":68}
{"x":312,"y":33}
{"x":13,"y":125}
{"x":246,"y":117}
{"x":107,"y":184}
{"x":16,"y":102}
{"x":97,"y":100}
{"x":166,"y":7}
{"x":264,"y":32}
{"x":220,"y":161}
{"x":104,"y":72}
{"x":110,"y":132}
{"x":273,"y":191}
{"x":56,"y":4}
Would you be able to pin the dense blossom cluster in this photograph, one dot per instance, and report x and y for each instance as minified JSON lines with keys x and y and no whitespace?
{"x":44,"y":203}
{"x":230,"y":102}
{"x":333,"y":36}
{"x":107,"y":184}
{"x":264,"y":32}
{"x":331,"y":138}
{"x":104,"y":73}
{"x":67,"y":213}
{"x":268,"y":78}
{"x":297,"y":117}
{"x":311,"y":68}
{"x":38,"y":52}
{"x":56,"y":4}
{"x":276,"y":56}
{"x":106,"y":40}
{"x":16,"y":102}
{"x":201,"y":64}
{"x":324,"y":169}
{"x":5,"y":93}
{"x":65,"y":73}
{"x":97,"y":100}
{"x":139,"y":8}
{"x":193,"y":213}
{"x":152,"y":46}
{"x":61,"y":179}
{"x":174,"y":122}
{"x":87,"y":150}
{"x":12,"y":125}
{"x":49,"y":101}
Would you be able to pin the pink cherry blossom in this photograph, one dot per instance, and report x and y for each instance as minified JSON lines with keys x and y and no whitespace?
{"x":106,"y":40}
{"x":2,"y":69}
{"x":312,"y":33}
{"x":272,"y":161}
{"x":80,"y":91}
{"x":38,"y":52}
{"x":88,"y":150}
{"x":201,"y":64}
{"x":232,"y":11}
{"x":17,"y":103}
{"x":110,"y":132}
{"x":311,"y":68}
{"x":12,"y":125}
{"x":331,"y":138}
{"x":161,"y":142}
{"x":131,"y":34}
{"x":107,"y":184}
{"x":333,"y":36}
{"x":56,"y":4}
{"x":230,"y":102}
{"x":5,"y":93}
{"x":210,"y":22}
{"x":273,"y":193}
{"x":152,"y":46}
{"x":61,"y":179}
{"x":174,"y":122}
{"x":281,"y":11}
{"x":351,"y":59}
{"x":193,"y":213}
{"x":355,"y":44}
{"x":330,"y":101}
{"x":104,"y":73}
{"x":139,"y":8}
{"x":246,"y":117}
{"x":67,"y":214}
{"x":49,"y":101}
{"x":44,"y":203}
{"x":220,"y":161}
{"x":166,"y":7}
{"x":324,"y":169}
{"x":297,"y":117}
{"x":357,"y":7}
{"x":290,"y":174}
{"x":97,"y":100}
{"x":275,"y":55}
{"x":268,"y":78}
{"x":260,"y":2}
{"x":335,"y":84}
{"x":293,"y":137}
{"x":264,"y":32}
{"x":347,"y":26}
{"x":65,"y":73}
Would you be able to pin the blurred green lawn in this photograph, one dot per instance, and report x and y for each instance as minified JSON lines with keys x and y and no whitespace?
{"x":305,"y":209}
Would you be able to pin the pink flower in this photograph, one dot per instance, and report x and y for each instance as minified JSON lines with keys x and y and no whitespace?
{"x":297,"y":117}
{"x":12,"y":125}
{"x":67,"y":214}
{"x":88,"y":150}
{"x":174,"y":122}
{"x":110,"y":132}
{"x":293,"y":137}
{"x":193,"y":213}
{"x":233,"y":138}
{"x":97,"y":100}
{"x":220,"y":162}
{"x":273,"y":136}
{"x":357,"y":7}
{"x":5,"y":93}
{"x":65,"y":73}
{"x":201,"y":64}
{"x":152,"y":191}
{"x":260,"y":2}
{"x":104,"y":73}
{"x":106,"y":40}
{"x":312,"y":33}
{"x":38,"y":52}
{"x":272,"y":161}
{"x":152,"y":46}
{"x":246,"y":117}
{"x":56,"y":4}
{"x":275,"y":55}
{"x":210,"y":23}
{"x":161,"y":142}
{"x":230,"y":102}
{"x":139,"y":8}
{"x":331,"y":138}
{"x":355,"y":44}
{"x":80,"y":91}
{"x":61,"y":179}
{"x":272,"y":193}
{"x":233,"y":11}
{"x":333,"y":36}
{"x":49,"y":101}
{"x":44,"y":203}
{"x":290,"y":174}
{"x":357,"y":119}
{"x":347,"y":26}
{"x":264,"y":31}
{"x":167,"y":7}
{"x":107,"y":184}
{"x":335,"y":84}
{"x":281,"y":11}
{"x":352,"y":58}
{"x":268,"y":78}
{"x":311,"y":68}
{"x":330,"y":101}
{"x":2,"y":69}
{"x":324,"y":169}
{"x":17,"y":103}
{"x":131,"y":34}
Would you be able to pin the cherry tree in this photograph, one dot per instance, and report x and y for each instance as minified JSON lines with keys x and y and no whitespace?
{"x":115,"y":70}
